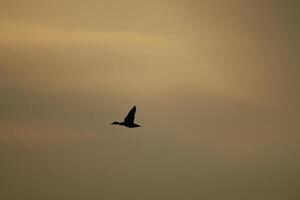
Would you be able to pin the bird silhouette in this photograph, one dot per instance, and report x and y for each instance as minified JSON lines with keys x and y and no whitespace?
{"x":128,"y":120}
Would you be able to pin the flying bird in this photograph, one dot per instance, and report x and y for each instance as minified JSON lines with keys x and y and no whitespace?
{"x":129,"y":120}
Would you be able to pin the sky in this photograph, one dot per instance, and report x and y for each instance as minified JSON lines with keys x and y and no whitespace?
{"x":216,"y":85}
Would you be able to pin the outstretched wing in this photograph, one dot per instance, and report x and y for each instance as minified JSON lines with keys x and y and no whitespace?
{"x":130,"y":116}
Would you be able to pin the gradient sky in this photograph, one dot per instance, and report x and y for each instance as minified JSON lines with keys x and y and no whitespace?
{"x":216,"y":85}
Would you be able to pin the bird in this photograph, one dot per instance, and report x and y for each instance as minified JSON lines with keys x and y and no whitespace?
{"x":128,"y":120}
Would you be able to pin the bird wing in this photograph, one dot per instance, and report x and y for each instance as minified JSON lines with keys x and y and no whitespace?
{"x":130,"y":116}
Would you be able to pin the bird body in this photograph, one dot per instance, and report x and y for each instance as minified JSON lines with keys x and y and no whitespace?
{"x":129,"y":120}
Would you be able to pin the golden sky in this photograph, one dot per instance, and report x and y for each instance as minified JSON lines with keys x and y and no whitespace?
{"x":215,"y":84}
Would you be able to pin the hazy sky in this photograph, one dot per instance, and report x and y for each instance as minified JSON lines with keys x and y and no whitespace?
{"x":216,"y":85}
